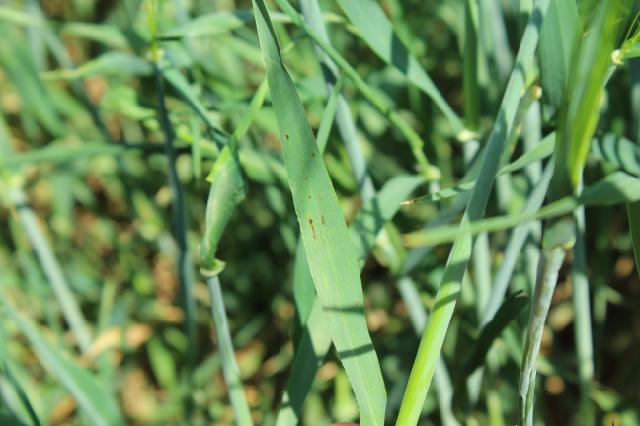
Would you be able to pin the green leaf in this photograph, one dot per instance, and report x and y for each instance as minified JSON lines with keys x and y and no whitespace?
{"x":376,"y":30}
{"x":614,"y":189}
{"x":588,"y":76}
{"x":558,"y":40}
{"x":315,"y":341}
{"x":332,"y":259}
{"x":617,"y":188}
{"x":227,"y":190}
{"x":618,"y":151}
{"x":539,"y":152}
{"x":99,"y":405}
{"x":210,"y":24}
{"x":109,"y":35}
{"x":111,"y":63}
{"x":633,"y":210}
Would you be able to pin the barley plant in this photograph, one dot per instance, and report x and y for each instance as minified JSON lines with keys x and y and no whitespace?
{"x":320,"y":212}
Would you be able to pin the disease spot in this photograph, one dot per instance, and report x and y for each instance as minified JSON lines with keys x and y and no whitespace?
{"x":313,"y":154}
{"x":286,"y":136}
{"x":322,"y":220}
{"x":309,"y":196}
{"x":313,"y":230}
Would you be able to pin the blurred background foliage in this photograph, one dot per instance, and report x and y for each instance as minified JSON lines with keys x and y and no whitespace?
{"x":82,"y":149}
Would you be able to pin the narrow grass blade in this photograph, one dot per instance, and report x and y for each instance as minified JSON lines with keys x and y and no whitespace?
{"x":541,"y":151}
{"x":110,"y":63}
{"x":108,"y":35}
{"x":329,"y":115}
{"x":19,"y":390}
{"x":332,"y":260}
{"x":433,"y":337}
{"x":53,"y":271}
{"x":376,"y":30}
{"x":617,"y":188}
{"x":98,"y":404}
{"x":418,"y":317}
{"x":210,"y":24}
{"x":61,"y":153}
{"x":513,"y":251}
{"x":225,"y":348}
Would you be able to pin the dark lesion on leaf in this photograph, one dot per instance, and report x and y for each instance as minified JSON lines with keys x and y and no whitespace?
{"x":313,"y":229}
{"x":322,"y":220}
{"x":286,"y":136}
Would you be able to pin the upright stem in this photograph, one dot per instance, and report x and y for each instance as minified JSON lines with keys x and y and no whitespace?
{"x":225,"y":347}
{"x":559,"y":236}
{"x":582,"y":324}
{"x":185,"y":270}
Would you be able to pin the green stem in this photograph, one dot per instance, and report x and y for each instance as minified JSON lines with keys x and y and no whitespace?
{"x":550,"y":263}
{"x":225,"y":347}
{"x":582,"y":324}
{"x":185,"y":269}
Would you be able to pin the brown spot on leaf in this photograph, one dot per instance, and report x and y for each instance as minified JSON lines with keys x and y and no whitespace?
{"x":313,"y":230}
{"x":286,"y":136}
{"x":322,"y":220}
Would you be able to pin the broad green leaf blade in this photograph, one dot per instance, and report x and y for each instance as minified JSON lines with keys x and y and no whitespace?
{"x":558,"y":40}
{"x":332,"y":260}
{"x":314,"y":342}
{"x":99,"y":405}
{"x":376,"y":30}
{"x":633,"y":210}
